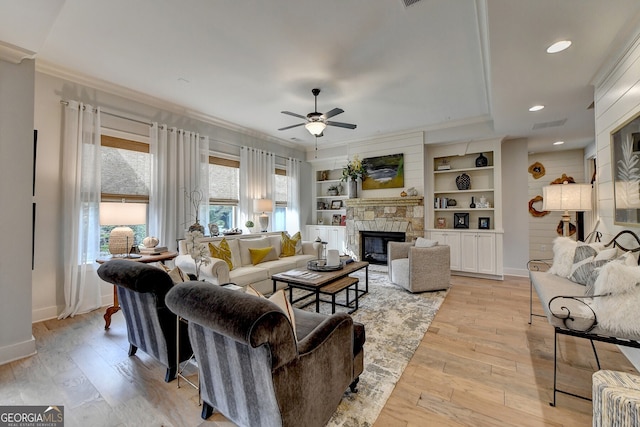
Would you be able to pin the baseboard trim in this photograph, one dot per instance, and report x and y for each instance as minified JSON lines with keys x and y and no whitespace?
{"x":17,"y":351}
{"x":47,"y":313}
{"x":520,"y":272}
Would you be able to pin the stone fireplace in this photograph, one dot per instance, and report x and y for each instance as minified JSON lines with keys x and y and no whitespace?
{"x":384,"y":214}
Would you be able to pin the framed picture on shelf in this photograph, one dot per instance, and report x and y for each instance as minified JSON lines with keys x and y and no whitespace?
{"x":336,"y":204}
{"x":343,"y":220}
{"x":484,"y":223}
{"x":441,"y":223}
{"x":335,"y":220}
{"x":321,"y":206}
{"x":460,"y":220}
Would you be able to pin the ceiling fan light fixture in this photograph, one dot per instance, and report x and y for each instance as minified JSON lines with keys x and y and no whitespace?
{"x":315,"y":128}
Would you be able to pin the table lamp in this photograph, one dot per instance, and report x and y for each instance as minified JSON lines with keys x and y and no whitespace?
{"x":263,"y":206}
{"x":566,"y":197}
{"x":121,"y":238}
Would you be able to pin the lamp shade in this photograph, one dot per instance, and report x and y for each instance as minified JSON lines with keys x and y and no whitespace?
{"x":315,"y":128}
{"x":566,"y":197}
{"x":123,"y":213}
{"x":262,"y":205}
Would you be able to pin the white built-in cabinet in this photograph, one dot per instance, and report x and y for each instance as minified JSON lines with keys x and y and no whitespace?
{"x":329,"y":210}
{"x":473,"y":231}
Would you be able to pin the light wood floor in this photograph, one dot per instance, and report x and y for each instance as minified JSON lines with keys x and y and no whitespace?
{"x":482,"y":364}
{"x":479,"y":364}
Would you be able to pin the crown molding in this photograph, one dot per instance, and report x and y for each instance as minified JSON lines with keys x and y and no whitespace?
{"x":14,"y":54}
{"x":56,"y":70}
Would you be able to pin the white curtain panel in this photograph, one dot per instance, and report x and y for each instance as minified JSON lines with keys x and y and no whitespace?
{"x":180,"y":162}
{"x":81,"y":201}
{"x":257,"y":181}
{"x":293,"y":191}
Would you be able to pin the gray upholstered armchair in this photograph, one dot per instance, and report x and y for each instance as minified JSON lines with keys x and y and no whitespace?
{"x":419,"y":269}
{"x":252,"y":368}
{"x":151,"y":326}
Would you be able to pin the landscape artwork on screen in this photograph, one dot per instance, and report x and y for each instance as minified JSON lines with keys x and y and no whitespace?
{"x":384,"y":172}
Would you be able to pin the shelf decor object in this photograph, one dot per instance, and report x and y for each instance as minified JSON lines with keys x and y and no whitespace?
{"x":481,"y":161}
{"x":566,"y":197}
{"x":461,"y":220}
{"x":463,"y":181}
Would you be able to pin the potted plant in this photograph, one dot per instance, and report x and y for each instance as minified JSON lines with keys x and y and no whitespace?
{"x":332,"y":190}
{"x":249,"y":224}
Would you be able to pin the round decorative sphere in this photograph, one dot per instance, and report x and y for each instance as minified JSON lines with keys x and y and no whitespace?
{"x":463,"y":182}
{"x":150,"y":242}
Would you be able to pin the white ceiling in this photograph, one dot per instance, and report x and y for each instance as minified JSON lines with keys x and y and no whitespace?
{"x":458,"y":69}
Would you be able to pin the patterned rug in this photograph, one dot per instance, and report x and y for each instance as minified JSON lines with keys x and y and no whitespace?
{"x":395,"y":323}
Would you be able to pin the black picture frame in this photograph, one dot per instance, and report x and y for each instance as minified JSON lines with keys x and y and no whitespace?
{"x":336,"y":204}
{"x":461,"y":220}
{"x":335,"y":220}
{"x":484,"y":223}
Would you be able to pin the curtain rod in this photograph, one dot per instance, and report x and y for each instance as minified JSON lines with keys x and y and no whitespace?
{"x":63,"y":102}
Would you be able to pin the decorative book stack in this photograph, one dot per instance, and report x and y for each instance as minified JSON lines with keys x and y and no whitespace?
{"x":153,"y":251}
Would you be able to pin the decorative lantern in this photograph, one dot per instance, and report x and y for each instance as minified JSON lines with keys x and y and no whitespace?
{"x":321,"y":251}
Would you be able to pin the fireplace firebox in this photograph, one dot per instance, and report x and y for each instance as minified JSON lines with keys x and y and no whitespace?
{"x":373,"y":247}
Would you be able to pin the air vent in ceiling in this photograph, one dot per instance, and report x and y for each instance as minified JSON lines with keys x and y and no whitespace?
{"x":553,"y":124}
{"x":408,"y":3}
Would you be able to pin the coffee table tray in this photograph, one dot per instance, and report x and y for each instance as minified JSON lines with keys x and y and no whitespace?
{"x":313,"y":265}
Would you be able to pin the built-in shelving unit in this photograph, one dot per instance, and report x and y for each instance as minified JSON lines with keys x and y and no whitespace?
{"x":472,"y":227}
{"x":330,"y":206}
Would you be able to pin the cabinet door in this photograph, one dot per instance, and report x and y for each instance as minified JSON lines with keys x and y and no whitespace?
{"x":453,"y":240}
{"x":469,"y":252}
{"x":336,"y":238}
{"x":486,"y":244}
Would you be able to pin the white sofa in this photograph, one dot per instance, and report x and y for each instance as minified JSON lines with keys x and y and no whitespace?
{"x":244,"y":272}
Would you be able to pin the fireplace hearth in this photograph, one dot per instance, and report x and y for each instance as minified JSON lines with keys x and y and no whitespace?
{"x":373,"y":247}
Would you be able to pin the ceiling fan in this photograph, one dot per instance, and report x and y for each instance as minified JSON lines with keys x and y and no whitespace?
{"x":316,"y":122}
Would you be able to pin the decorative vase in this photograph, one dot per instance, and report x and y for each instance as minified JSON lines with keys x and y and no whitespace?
{"x":196,"y":226}
{"x":473,"y":203}
{"x":213,"y":229}
{"x":340,"y":189}
{"x":481,"y":161}
{"x":332,"y":192}
{"x":463,"y":182}
{"x":451,"y":202}
{"x":353,"y":189}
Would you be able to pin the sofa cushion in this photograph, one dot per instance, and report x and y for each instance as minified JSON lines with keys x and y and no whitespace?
{"x":279,"y":298}
{"x":259,"y":255}
{"x":222,"y":251}
{"x":248,"y":274}
{"x":280,"y":265}
{"x":245,"y":244}
{"x":276,"y":242}
{"x":564,"y":250}
{"x":302,"y":260}
{"x":421,"y":242}
{"x":291,"y":245}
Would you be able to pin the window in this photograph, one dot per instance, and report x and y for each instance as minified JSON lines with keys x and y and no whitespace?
{"x":282,"y":198}
{"x":224,"y":184}
{"x":125,"y":175}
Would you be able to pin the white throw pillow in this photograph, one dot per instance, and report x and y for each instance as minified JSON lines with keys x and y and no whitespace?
{"x":564,"y":249}
{"x":279,"y":298}
{"x":421,"y":242}
{"x":618,"y":311}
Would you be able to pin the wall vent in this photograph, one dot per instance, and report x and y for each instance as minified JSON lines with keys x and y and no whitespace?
{"x":408,"y":3}
{"x":553,"y":124}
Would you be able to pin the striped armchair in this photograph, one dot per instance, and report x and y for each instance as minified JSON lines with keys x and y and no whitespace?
{"x":255,"y":370}
{"x":151,"y":326}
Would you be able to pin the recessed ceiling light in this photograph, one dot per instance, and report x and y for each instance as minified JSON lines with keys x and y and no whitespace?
{"x":559,"y":46}
{"x":536,"y":108}
{"x":558,"y":143}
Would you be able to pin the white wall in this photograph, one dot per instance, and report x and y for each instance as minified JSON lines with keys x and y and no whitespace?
{"x":542,"y":230}
{"x":16,"y":159}
{"x":617,"y":99}
{"x":48,"y":294}
{"x":515,"y":207}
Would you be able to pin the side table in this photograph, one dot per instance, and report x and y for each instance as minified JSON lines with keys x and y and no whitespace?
{"x":165,"y":256}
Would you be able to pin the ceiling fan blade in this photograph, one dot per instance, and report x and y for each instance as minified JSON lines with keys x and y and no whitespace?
{"x":294,"y":114}
{"x":292,"y":126}
{"x":341,"y":125}
{"x":332,"y":113}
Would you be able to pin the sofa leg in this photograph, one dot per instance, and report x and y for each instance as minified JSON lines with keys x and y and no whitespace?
{"x":132,"y":350}
{"x":353,"y":385}
{"x":207,"y":410}
{"x":171,"y":374}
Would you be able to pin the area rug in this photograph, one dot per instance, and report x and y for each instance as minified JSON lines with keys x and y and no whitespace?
{"x":395,"y":322}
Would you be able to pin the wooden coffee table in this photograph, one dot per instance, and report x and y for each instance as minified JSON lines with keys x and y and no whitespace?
{"x":325,"y":283}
